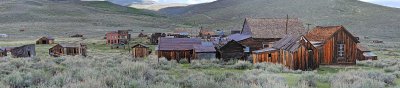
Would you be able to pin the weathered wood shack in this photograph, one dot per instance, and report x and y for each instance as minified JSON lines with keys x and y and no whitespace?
{"x":263,"y":31}
{"x":3,"y":52}
{"x":336,"y":45}
{"x":177,"y":48}
{"x":24,"y":51}
{"x":68,"y":49}
{"x":140,"y":51}
{"x":365,"y":54}
{"x":206,"y":33}
{"x":155,"y":37}
{"x":76,"y":35}
{"x":231,"y":50}
{"x":45,"y":40}
{"x":294,"y":52}
{"x":205,"y":51}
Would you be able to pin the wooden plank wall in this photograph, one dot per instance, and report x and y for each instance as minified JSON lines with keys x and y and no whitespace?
{"x":330,"y":48}
{"x":140,"y":52}
{"x":177,"y":55}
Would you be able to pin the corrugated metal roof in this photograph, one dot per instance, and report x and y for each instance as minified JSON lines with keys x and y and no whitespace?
{"x":290,"y":43}
{"x":238,"y":37}
{"x":178,"y":43}
{"x":362,"y":48}
{"x":272,"y":27}
{"x":264,"y":50}
{"x":369,"y":54}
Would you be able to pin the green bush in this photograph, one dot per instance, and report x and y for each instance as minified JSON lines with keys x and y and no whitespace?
{"x":242,"y":65}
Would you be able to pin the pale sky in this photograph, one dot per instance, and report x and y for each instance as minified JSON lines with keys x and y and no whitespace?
{"x":390,"y":3}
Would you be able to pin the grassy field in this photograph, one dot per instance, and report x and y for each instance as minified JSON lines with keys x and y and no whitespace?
{"x":105,"y":67}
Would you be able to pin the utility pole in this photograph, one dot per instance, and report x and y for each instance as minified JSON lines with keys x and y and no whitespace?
{"x":308,"y":27}
{"x":287,"y":22}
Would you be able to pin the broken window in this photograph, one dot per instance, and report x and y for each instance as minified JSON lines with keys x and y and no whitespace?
{"x":341,"y":49}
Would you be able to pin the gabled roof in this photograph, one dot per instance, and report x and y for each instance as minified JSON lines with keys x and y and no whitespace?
{"x":272,"y":27}
{"x":362,"y":48}
{"x":322,"y":34}
{"x":290,"y":43}
{"x":69,"y":45}
{"x":178,"y":43}
{"x":205,"y":47}
{"x":238,"y":37}
{"x":47,"y":37}
{"x":140,"y":45}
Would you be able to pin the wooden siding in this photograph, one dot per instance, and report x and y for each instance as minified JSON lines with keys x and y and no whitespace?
{"x":258,"y":43}
{"x":231,"y":50}
{"x":24,"y":51}
{"x":177,"y":54}
{"x":330,"y":50}
{"x":304,"y":58}
{"x":59,"y":50}
{"x":139,"y":52}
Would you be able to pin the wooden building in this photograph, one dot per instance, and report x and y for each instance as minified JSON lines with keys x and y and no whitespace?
{"x":45,"y":40}
{"x":140,"y":51}
{"x":177,"y":48}
{"x":205,"y":51}
{"x":206,"y":33}
{"x":118,"y":37}
{"x":155,"y":37}
{"x":365,"y":54}
{"x":231,"y":50}
{"x":3,"y":52}
{"x":24,"y":51}
{"x":68,"y":49}
{"x":264,"y":31}
{"x":336,"y":45}
{"x":294,"y":52}
{"x":77,"y":36}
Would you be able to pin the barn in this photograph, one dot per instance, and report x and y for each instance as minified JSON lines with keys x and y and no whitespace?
{"x":45,"y":40}
{"x":68,"y":49}
{"x":293,"y":51}
{"x":206,"y":50}
{"x":264,"y":31}
{"x":365,"y":54}
{"x":231,"y":50}
{"x":336,"y":45}
{"x":177,"y":48}
{"x":140,"y":51}
{"x":24,"y":51}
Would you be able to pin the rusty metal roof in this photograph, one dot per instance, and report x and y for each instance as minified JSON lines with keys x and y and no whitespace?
{"x":272,"y":27}
{"x":238,"y":37}
{"x":178,"y":43}
{"x":362,"y":48}
{"x":321,"y":34}
{"x":205,"y":47}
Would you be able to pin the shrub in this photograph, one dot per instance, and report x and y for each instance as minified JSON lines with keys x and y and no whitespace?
{"x":270,"y":67}
{"x":361,"y":79}
{"x":59,"y":60}
{"x":242,"y":65}
{"x":263,"y":79}
{"x":204,"y":64}
{"x":184,"y":61}
{"x":307,"y":80}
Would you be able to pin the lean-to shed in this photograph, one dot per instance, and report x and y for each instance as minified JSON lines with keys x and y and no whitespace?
{"x":24,"y":51}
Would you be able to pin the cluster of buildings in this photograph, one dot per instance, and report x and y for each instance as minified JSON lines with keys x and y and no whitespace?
{"x":281,"y":41}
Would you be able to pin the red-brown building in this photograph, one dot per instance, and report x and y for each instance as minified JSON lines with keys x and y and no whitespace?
{"x":177,"y":48}
{"x":294,"y":52}
{"x":118,"y":37}
{"x":335,"y":44}
{"x":365,"y":54}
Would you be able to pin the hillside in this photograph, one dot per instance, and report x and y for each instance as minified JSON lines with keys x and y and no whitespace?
{"x":68,"y":17}
{"x":362,"y":19}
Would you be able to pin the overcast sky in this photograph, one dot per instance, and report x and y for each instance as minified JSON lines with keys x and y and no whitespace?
{"x":390,"y":3}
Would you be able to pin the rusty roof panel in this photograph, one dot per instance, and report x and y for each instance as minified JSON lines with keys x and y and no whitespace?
{"x":178,"y":43}
{"x":272,"y":27}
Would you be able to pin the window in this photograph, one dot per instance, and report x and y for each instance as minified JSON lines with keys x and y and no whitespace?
{"x":341,"y":49}
{"x":269,"y":56}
